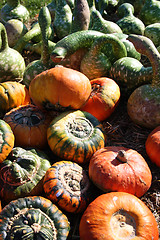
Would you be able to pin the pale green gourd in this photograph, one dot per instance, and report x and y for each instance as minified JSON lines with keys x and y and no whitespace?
{"x":12,"y":64}
{"x":152,"y":31}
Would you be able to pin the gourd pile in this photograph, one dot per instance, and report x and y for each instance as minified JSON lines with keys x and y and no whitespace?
{"x":61,"y":177}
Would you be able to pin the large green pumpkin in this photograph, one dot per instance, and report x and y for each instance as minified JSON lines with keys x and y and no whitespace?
{"x":33,"y":218}
{"x":75,"y":136}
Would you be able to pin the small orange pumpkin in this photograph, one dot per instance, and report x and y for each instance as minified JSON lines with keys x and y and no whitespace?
{"x":152,"y":146}
{"x":12,"y":95}
{"x":60,"y":88}
{"x":120,"y":169}
{"x":104,"y":98}
{"x":118,"y":216}
{"x":29,"y":124}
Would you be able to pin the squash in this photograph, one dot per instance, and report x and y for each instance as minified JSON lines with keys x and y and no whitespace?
{"x":6,"y":140}
{"x":116,"y":168}
{"x":75,"y":136}
{"x":67,"y":185}
{"x":63,"y":88}
{"x":33,"y":217}
{"x":104,"y":98}
{"x":118,"y":216}
{"x":29,"y":125}
{"x":152,"y":146}
{"x":13,"y":94}
{"x":21,"y":174}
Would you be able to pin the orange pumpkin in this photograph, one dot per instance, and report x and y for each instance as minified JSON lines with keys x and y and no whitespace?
{"x":152,"y":146}
{"x":29,"y":125}
{"x":118,"y":216}
{"x":60,"y":88}
{"x":120,"y":169}
{"x":13,"y":94}
{"x":104,"y":98}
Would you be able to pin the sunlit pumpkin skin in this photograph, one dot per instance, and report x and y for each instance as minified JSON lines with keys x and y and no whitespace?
{"x":75,"y":136}
{"x":21,"y":174}
{"x":7,"y":140}
{"x":152,"y":146}
{"x":115,"y":168}
{"x":118,"y":216}
{"x":60,"y":88}
{"x":104,"y":98}
{"x":67,"y":184}
{"x":29,"y":124}
{"x":13,"y":94}
{"x":33,"y":217}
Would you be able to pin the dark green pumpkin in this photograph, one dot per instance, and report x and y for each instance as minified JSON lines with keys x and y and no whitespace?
{"x":33,"y":217}
{"x":21,"y":174}
{"x":75,"y":136}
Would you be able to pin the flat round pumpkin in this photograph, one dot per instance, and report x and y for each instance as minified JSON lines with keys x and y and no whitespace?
{"x":120,"y":169}
{"x":118,"y":216}
{"x":75,"y":136}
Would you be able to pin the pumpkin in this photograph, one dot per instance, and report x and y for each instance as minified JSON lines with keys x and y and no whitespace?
{"x":33,"y":217}
{"x":29,"y":124}
{"x":67,"y":184}
{"x":21,"y":174}
{"x":6,"y":140}
{"x":13,"y":94}
{"x":118,"y":216}
{"x":63,"y":88}
{"x":152,"y":146}
{"x":116,"y":168}
{"x":75,"y":136}
{"x":104,"y":98}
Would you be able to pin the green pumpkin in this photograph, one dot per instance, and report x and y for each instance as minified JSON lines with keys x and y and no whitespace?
{"x":21,"y":174}
{"x":33,"y":218}
{"x":75,"y":136}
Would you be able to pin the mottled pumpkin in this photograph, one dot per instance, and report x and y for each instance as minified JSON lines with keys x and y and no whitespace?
{"x":104,"y":98}
{"x":60,"y":88}
{"x":152,"y":146}
{"x":118,"y":216}
{"x":75,"y":136}
{"x":6,"y":140}
{"x":21,"y":174}
{"x":67,"y":184}
{"x":33,"y":217}
{"x":120,"y":169}
{"x":29,"y":124}
{"x":13,"y":94}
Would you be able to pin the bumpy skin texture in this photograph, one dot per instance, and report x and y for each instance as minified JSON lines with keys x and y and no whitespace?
{"x":33,"y":217}
{"x":116,"y":216}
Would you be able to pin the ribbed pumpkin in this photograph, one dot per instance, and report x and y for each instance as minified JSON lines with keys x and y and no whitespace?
{"x":6,"y":140}
{"x":21,"y":174}
{"x":116,"y":168}
{"x":152,"y":146}
{"x":60,"y":88}
{"x":67,"y":184}
{"x":104,"y":98}
{"x":33,"y":218}
{"x":29,"y":124}
{"x":13,"y":94}
{"x":75,"y":136}
{"x":118,"y":216}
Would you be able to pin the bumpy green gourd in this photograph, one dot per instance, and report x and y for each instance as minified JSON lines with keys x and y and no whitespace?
{"x":63,"y":19}
{"x":137,"y":4}
{"x":81,"y":16}
{"x":52,"y":8}
{"x":38,"y":66}
{"x":128,"y":22}
{"x":143,"y":105}
{"x":97,"y":61}
{"x":150,"y":12}
{"x":13,"y":9}
{"x":152,"y":31}
{"x":12,"y":64}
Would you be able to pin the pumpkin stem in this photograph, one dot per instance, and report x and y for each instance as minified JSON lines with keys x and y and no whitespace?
{"x":121,"y":156}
